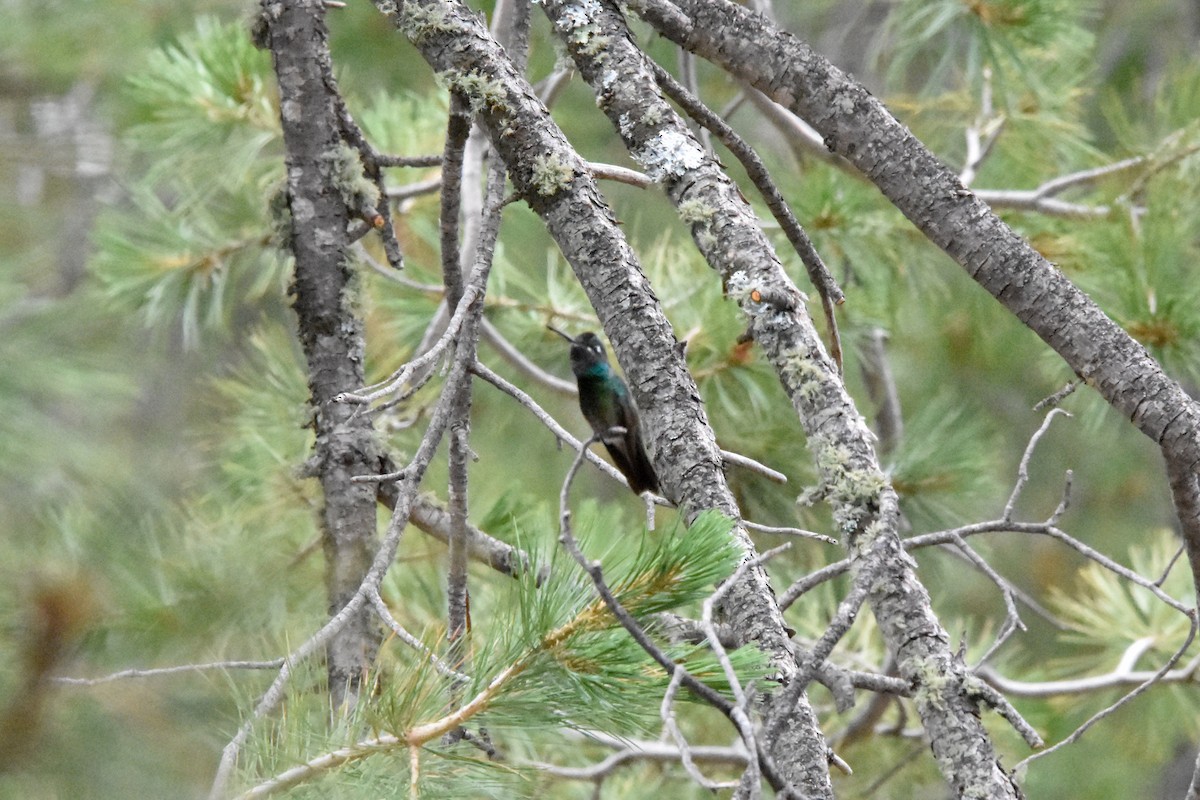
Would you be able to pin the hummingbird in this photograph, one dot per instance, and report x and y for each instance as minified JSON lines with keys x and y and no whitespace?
{"x":606,"y":403}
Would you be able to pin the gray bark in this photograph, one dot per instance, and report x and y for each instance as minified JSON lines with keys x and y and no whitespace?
{"x":555,"y":182}
{"x":726,"y":232}
{"x":324,"y":289}
{"x":858,"y":128}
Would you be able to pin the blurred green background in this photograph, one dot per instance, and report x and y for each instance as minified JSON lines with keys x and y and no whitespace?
{"x":153,"y":399}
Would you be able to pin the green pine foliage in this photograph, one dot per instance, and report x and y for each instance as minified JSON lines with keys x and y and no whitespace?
{"x":545,"y":656}
{"x":156,"y":419}
{"x":194,"y":244}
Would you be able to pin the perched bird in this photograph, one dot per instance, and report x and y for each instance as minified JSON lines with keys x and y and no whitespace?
{"x":606,"y":403}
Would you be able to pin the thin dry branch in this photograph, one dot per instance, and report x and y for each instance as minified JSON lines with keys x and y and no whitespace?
{"x":407,"y":488}
{"x":702,"y":690}
{"x":157,"y":672}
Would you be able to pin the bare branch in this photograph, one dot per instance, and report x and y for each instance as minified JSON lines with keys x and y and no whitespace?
{"x":667,"y":712}
{"x":745,"y":462}
{"x":1023,"y":467}
{"x":820,"y":537}
{"x":1151,"y":681}
{"x":155,"y":672}
{"x":643,"y":750}
{"x":403,"y":635}
{"x":1123,"y":675}
{"x":596,"y":573}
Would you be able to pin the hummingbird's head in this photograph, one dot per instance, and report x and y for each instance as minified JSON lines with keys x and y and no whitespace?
{"x":587,"y":351}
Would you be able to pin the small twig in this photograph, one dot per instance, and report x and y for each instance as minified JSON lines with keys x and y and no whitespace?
{"x":642,"y":750}
{"x":1122,"y":675}
{"x":1060,"y":184}
{"x":864,"y":721}
{"x":1012,"y":619}
{"x":876,"y":370}
{"x":1023,"y":467}
{"x":1056,"y":398}
{"x":826,"y":573}
{"x":414,"y":772}
{"x":157,"y":672}
{"x":909,"y":758}
{"x":745,"y":462}
{"x":999,"y":703}
{"x":1112,"y":566}
{"x":549,"y":89}
{"x":381,"y":478}
{"x":1043,"y":200}
{"x":385,"y":160}
{"x":820,"y":537}
{"x":408,"y":191}
{"x":403,"y":635}
{"x":1099,"y":715}
{"x":1065,"y":503}
{"x":612,"y":172}
{"x":982,"y":134}
{"x":1170,"y":565}
{"x":801,"y":137}
{"x":380,"y":217}
{"x":667,"y":712}
{"x":369,"y":394}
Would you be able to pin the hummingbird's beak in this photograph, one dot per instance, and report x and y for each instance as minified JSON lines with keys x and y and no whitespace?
{"x":560,"y":333}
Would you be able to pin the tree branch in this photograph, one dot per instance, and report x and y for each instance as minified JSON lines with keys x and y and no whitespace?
{"x":856,"y":126}
{"x":331,"y":334}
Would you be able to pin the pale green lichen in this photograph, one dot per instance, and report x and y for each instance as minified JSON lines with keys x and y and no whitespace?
{"x":551,"y":175}
{"x":931,"y":682}
{"x":803,"y":374}
{"x":360,"y":194}
{"x":737,"y":286}
{"x":694,"y":212}
{"x":578,"y":24}
{"x":420,"y":22}
{"x":853,"y":493}
{"x":483,"y":92}
{"x":352,"y":298}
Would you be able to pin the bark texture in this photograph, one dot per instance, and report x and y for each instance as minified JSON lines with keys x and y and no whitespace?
{"x":858,"y":128}
{"x":556,"y":183}
{"x":324,"y":291}
{"x":731,"y":239}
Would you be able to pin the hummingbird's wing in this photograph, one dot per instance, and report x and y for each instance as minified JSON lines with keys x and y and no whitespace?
{"x":629,"y":453}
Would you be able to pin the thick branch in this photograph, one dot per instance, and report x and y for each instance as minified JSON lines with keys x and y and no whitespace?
{"x":558,"y":185}
{"x":865,"y":507}
{"x":856,"y":126}
{"x":330,"y":332}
